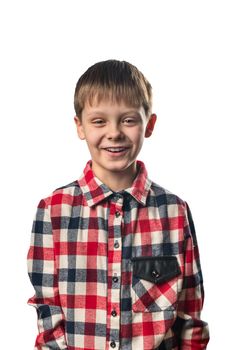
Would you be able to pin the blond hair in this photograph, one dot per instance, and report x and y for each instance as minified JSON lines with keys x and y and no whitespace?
{"x":116,"y":81}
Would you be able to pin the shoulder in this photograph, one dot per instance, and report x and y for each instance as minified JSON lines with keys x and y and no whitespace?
{"x":165,"y":197}
{"x":66,"y":194}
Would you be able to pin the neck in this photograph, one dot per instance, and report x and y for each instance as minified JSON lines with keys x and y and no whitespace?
{"x":119,"y":180}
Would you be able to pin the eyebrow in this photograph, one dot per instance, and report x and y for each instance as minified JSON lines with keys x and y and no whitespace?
{"x":104,"y":114}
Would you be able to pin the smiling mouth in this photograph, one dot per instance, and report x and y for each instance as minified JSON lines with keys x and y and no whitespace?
{"x":116,"y":150}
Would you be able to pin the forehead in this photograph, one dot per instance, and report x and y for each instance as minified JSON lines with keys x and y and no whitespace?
{"x":108,"y":105}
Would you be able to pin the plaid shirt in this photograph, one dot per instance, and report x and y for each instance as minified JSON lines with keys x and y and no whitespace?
{"x":116,"y":270}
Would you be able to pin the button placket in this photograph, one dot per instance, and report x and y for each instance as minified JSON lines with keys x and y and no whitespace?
{"x":114,"y":269}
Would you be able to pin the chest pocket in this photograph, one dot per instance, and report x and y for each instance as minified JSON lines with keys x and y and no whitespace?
{"x":154,"y":283}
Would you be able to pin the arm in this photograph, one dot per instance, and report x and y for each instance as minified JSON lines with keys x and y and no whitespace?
{"x":193,"y":332}
{"x":43,"y":276}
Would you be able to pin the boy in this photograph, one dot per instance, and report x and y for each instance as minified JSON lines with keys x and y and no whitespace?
{"x":114,"y":257}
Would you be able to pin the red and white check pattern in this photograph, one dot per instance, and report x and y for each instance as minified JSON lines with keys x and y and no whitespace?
{"x":87,"y":297}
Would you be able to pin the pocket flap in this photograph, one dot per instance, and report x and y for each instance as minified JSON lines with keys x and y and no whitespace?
{"x":156,"y":269}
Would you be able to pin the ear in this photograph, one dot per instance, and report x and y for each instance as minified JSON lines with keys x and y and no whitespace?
{"x":150,"y":125}
{"x":79,"y":126}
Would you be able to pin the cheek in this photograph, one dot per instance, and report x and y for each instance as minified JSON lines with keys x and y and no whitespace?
{"x":92,"y":137}
{"x":138,"y":136}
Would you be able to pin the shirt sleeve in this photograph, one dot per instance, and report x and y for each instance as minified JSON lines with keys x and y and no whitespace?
{"x":193,"y":332}
{"x":42,"y":273}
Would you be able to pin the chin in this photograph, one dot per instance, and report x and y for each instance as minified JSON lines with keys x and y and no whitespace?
{"x":118,"y":167}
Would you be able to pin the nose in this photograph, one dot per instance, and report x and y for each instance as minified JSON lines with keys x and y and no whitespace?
{"x":114,"y":131}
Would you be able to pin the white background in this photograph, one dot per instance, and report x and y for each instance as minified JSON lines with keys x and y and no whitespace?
{"x":189,"y":51}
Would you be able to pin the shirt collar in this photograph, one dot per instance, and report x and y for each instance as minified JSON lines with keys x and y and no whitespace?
{"x":95,"y":190}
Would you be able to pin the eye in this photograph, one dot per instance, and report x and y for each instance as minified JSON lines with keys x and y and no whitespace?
{"x":129,"y":120}
{"x":98,"y":121}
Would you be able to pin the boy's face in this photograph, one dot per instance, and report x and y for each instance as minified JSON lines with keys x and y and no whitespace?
{"x":111,"y":125}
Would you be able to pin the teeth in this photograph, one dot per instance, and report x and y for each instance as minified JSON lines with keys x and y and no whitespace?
{"x":115,"y":149}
